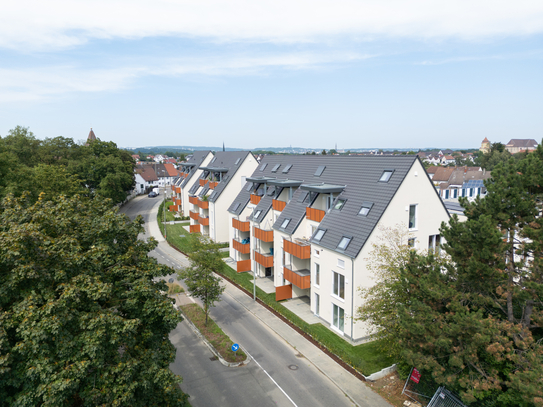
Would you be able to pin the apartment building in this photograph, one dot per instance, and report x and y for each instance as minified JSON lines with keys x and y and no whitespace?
{"x":309,"y":223}
{"x":210,"y":195}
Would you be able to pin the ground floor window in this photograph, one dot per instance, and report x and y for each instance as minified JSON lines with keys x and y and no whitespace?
{"x":338,"y":317}
{"x":317,"y":304}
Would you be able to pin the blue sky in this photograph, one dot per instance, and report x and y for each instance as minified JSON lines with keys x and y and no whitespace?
{"x":356,"y":73}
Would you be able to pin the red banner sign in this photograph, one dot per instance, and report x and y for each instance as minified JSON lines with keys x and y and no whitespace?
{"x":415,"y":375}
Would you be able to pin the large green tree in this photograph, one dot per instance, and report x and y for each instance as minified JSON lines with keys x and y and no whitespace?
{"x":82,"y":320}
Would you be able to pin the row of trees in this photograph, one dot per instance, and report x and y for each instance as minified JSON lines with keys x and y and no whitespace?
{"x":59,"y":165}
{"x":472,"y":316}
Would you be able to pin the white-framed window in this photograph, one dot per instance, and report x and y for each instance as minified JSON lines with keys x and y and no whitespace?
{"x":317,"y":304}
{"x":317,"y":253}
{"x":285,"y":223}
{"x":434,"y":243}
{"x":413,"y":217}
{"x":338,"y":285}
{"x":338,"y":317}
{"x":341,"y":263}
{"x":386,"y":175}
{"x":317,"y":274}
{"x":411,"y":242}
{"x":319,"y":235}
{"x":344,"y":242}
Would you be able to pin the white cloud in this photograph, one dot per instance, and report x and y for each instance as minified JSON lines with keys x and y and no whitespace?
{"x":56,"y":24}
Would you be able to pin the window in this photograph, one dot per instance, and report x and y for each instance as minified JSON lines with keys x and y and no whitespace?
{"x":344,"y":243}
{"x":463,"y":192}
{"x":434,"y":243}
{"x":317,"y":304}
{"x":471,"y":192}
{"x":275,"y":167}
{"x":237,"y":206}
{"x":320,"y":170}
{"x":285,"y":223}
{"x":237,"y":161}
{"x":341,"y":263}
{"x":338,"y":285}
{"x":317,"y":253}
{"x":386,"y":175}
{"x":339,"y":204}
{"x":446,"y":194}
{"x":318,"y":236}
{"x":263,"y":166}
{"x":287,"y":168}
{"x":366,"y":206}
{"x":317,"y":274}
{"x":411,"y":242}
{"x":302,"y":196}
{"x":412,"y":216}
{"x":249,"y":187}
{"x":257,"y":214}
{"x":455,"y":193}
{"x":338,"y":317}
{"x":214,"y":158}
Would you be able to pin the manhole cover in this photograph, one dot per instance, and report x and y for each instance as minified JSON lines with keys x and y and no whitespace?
{"x":293,"y":367}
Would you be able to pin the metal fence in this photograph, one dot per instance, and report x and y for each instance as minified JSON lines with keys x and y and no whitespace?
{"x":444,"y":398}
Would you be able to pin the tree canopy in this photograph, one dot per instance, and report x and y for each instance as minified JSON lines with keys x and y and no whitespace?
{"x":82,"y":321}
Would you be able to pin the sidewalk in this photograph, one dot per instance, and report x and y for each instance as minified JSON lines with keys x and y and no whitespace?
{"x":355,"y":389}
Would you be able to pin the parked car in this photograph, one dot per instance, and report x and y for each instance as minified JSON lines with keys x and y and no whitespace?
{"x":152,"y":194}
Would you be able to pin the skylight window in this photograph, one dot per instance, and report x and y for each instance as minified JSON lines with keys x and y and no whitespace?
{"x":249,"y":187}
{"x":386,"y":175}
{"x":318,"y":236}
{"x":237,"y":206}
{"x":263,"y":166}
{"x":320,"y":170}
{"x":366,"y":206}
{"x":303,"y":195}
{"x":287,"y":168}
{"x":257,"y":214}
{"x":214,"y":158}
{"x":285,"y":223}
{"x":339,"y":204}
{"x":237,"y":161}
{"x":344,"y":243}
{"x":275,"y":167}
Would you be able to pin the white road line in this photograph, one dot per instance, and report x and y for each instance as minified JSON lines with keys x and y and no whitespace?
{"x":279,"y":387}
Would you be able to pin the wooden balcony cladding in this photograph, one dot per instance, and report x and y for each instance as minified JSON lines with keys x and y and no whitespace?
{"x":264,"y":260}
{"x":255,"y":199}
{"x":264,"y":235}
{"x":177,"y":190}
{"x":203,"y":182}
{"x":243,"y":265}
{"x":240,"y":247}
{"x":298,"y":250}
{"x":193,"y":200}
{"x":283,"y":292}
{"x":278,"y":205}
{"x":174,"y":208}
{"x":203,"y":204}
{"x":241,"y":226}
{"x":194,"y":215}
{"x":194,"y":228}
{"x":173,"y":187}
{"x":299,"y":281}
{"x":203,"y":221}
{"x":314,"y":214}
{"x":213,"y":184}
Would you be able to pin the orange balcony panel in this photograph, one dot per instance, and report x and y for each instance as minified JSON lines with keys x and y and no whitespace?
{"x":241,"y":226}
{"x":213,"y":184}
{"x":283,"y":292}
{"x":174,"y":208}
{"x":177,"y":190}
{"x":203,"y":182}
{"x":194,"y":215}
{"x":298,"y":250}
{"x":193,"y":200}
{"x":264,"y":235}
{"x":243,"y":265}
{"x":264,"y":260}
{"x":278,"y":205}
{"x":194,"y":228}
{"x":203,"y":204}
{"x":301,"y":281}
{"x":314,"y":214}
{"x":203,"y":221}
{"x":173,"y":187}
{"x":240,"y":247}
{"x":255,"y":199}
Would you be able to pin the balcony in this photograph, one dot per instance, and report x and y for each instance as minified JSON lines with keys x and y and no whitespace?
{"x":278,"y":205}
{"x":265,"y":260}
{"x":243,"y":265}
{"x":314,"y":214}
{"x":177,"y":190}
{"x":194,"y":229}
{"x":302,"y":250}
{"x":203,"y":204}
{"x":194,"y":215}
{"x":243,"y":248}
{"x":300,"y":278}
{"x":213,"y":184}
{"x":193,"y":200}
{"x":255,"y":199}
{"x":173,"y":187}
{"x":203,"y":182}
{"x":204,"y":221}
{"x":174,"y":208}
{"x":241,"y":226}
{"x":264,"y":235}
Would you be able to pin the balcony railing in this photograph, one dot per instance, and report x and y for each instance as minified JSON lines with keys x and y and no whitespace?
{"x":278,"y":205}
{"x":174,"y":208}
{"x":243,"y":265}
{"x":193,"y":200}
{"x":255,"y":199}
{"x":204,"y":221}
{"x":173,"y":187}
{"x":298,"y":249}
{"x":194,"y":215}
{"x":243,"y":248}
{"x":264,"y":235}
{"x":213,"y":184}
{"x":177,"y":190}
{"x":314,"y":214}
{"x":241,"y":226}
{"x":194,"y":228}
{"x":203,"y":182}
{"x":203,"y":204}
{"x":265,"y":260}
{"x":300,"y":278}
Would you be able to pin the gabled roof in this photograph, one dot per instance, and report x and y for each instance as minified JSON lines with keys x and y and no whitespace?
{"x":170,"y":168}
{"x":192,"y":164}
{"x":522,"y":143}
{"x":147,"y":173}
{"x":226,"y":160}
{"x":442,"y":174}
{"x":432,"y":169}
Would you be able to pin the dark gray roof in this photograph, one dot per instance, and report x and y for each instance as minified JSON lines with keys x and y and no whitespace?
{"x":453,"y":206}
{"x":264,"y":207}
{"x":193,"y":163}
{"x":295,"y":211}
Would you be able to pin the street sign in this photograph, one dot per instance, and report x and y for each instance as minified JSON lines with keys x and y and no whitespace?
{"x":415,"y":375}
{"x":235,"y":347}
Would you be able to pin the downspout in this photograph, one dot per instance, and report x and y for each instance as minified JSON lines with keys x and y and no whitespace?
{"x":352,"y":298}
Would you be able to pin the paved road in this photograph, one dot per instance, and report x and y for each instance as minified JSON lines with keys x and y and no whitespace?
{"x":278,"y":375}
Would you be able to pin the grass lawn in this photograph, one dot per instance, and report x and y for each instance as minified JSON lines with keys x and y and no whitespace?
{"x":221,"y":342}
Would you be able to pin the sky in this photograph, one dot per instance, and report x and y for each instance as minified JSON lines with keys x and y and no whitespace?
{"x":274,"y":73}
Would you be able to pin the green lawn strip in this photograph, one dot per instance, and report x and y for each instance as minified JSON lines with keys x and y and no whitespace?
{"x":220,"y":341}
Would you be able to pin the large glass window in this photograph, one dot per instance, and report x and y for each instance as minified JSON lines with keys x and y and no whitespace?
{"x":317,"y":274}
{"x":338,"y":286}
{"x":317,"y":304}
{"x":386,"y":176}
{"x":412,"y":216}
{"x":338,"y":317}
{"x":344,"y":242}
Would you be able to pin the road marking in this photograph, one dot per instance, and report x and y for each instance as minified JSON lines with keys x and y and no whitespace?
{"x":279,"y":387}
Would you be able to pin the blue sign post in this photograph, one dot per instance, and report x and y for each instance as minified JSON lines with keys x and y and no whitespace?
{"x":235,"y":347}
